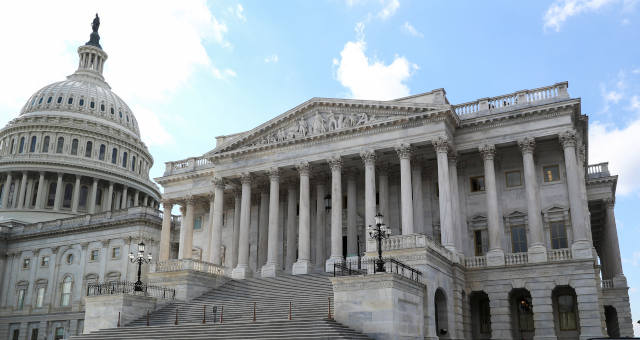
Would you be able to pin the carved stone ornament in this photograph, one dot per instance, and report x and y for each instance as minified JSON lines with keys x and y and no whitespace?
{"x":568,"y":139}
{"x":368,"y":157}
{"x":335,"y":163}
{"x":218,"y":182}
{"x":441,"y":144}
{"x":303,"y":168}
{"x":245,"y":178}
{"x":274,"y":174}
{"x":488,"y":151}
{"x":404,"y":151}
{"x":527,"y":144}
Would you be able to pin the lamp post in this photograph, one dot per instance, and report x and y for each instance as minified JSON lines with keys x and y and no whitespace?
{"x":378,"y":232}
{"x":140,"y":260}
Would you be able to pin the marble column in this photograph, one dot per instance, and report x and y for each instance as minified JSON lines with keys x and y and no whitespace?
{"x":614,"y":262}
{"x":92,"y":197}
{"x":271,"y":268}
{"x":57,"y":203}
{"x":165,"y":234}
{"x":136,"y":197}
{"x":76,"y":195}
{"x":263,"y":225}
{"x":217,"y":210}
{"x":406,"y":201}
{"x":495,"y":256}
{"x":303,"y":265}
{"x":369,"y":159}
{"x":320,"y":225}
{"x":124,"y":200}
{"x":447,"y":233}
{"x":185,"y":250}
{"x":40,"y":198}
{"x":207,"y":231}
{"x":537,"y":250}
{"x":6,"y":191}
{"x":335,"y":163}
{"x":145,"y":200}
{"x":292,"y":243}
{"x":23,"y":190}
{"x":110,"y":197}
{"x":242,"y":270}
{"x":352,"y":216}
{"x":581,"y":247}
{"x":455,"y":203}
{"x":418,"y":200}
{"x":383,"y":191}
{"x":235,"y":239}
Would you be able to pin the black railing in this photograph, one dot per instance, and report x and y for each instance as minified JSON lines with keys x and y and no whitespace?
{"x":127,"y":287}
{"x":369,"y":266}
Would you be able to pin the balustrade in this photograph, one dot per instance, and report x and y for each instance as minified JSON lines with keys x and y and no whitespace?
{"x":188,"y":264}
{"x":563,"y":254}
{"x":598,"y":170}
{"x":475,"y":262}
{"x":606,"y":284}
{"x":516,"y":258}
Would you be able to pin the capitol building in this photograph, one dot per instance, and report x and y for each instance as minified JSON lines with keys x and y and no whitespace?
{"x":495,"y":225}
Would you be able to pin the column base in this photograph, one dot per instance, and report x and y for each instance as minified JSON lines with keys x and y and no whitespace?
{"x":582,"y":250}
{"x":270,"y":270}
{"x":495,"y":257}
{"x":301,"y":267}
{"x":328,"y":267}
{"x":241,"y":272}
{"x":537,"y":253}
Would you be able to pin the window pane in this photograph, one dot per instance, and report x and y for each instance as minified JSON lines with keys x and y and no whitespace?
{"x":197,"y":223}
{"x":551,"y":173}
{"x":518,"y":239}
{"x":40,"y":298}
{"x":558,"y":235}
{"x":477,"y":183}
{"x":74,"y":147}
{"x":60,"y":145}
{"x":45,"y":145}
{"x":87,"y":150}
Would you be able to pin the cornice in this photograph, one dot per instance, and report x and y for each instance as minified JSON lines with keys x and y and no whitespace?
{"x":184,"y":176}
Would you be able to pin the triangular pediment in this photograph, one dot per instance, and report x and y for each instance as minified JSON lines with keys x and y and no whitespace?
{"x":320,"y":117}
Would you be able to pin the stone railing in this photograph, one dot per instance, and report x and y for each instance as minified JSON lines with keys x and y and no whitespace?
{"x":414,"y":241}
{"x":598,"y":170}
{"x":563,"y":254}
{"x":188,"y":264}
{"x":516,"y":258}
{"x":520,"y":98}
{"x":475,"y":262}
{"x":607,"y":284}
{"x":186,"y":165}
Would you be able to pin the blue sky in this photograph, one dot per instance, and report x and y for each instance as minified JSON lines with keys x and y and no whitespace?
{"x":193,"y":70}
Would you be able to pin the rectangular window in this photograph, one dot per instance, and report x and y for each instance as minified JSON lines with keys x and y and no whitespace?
{"x":26,"y":263}
{"x":21,"y":293}
{"x":44,"y":261}
{"x":115,"y":253}
{"x":558,"y":235}
{"x":34,"y":334}
{"x":94,"y":255}
{"x":59,"y":334}
{"x":518,"y":239}
{"x":480,"y":242}
{"x":40,"y":297}
{"x":551,"y":173}
{"x":16,"y":334}
{"x":197,"y":223}
{"x":514,"y":178}
{"x":477,"y":183}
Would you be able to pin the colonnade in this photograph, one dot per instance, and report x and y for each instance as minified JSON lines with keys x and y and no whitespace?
{"x":452,"y":225}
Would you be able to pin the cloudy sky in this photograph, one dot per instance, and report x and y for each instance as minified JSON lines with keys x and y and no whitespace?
{"x":193,"y":70}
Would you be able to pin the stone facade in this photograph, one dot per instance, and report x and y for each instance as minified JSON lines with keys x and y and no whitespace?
{"x":493,"y":200}
{"x":75,"y":199}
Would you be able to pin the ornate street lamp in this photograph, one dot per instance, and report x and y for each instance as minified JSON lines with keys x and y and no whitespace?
{"x":378,"y":232}
{"x":140,"y":260}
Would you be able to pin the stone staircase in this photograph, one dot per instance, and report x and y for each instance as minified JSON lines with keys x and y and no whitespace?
{"x":308,"y":294}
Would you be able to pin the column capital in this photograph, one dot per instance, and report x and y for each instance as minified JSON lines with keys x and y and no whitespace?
{"x":527,"y":144}
{"x":404,"y":151}
{"x":368,"y":157}
{"x":488,"y":151}
{"x":218,"y":182}
{"x":335,"y":163}
{"x":167,"y":204}
{"x":568,"y":138}
{"x":190,"y":200}
{"x":609,"y":202}
{"x":303,"y":168}
{"x":274,"y":174}
{"x":441,"y":144}
{"x":246,"y":178}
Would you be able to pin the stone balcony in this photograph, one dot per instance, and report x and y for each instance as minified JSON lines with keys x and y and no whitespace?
{"x":186,"y":165}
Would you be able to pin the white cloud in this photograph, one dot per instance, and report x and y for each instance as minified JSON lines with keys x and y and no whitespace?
{"x":612,"y":96}
{"x":411,"y":30}
{"x":238,"y":12}
{"x":151,"y":129}
{"x":389,"y":8}
{"x":371,"y":79}
{"x":223,"y":74}
{"x":271,"y":59}
{"x":561,"y":10}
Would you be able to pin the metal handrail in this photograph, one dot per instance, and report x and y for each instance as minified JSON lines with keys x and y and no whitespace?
{"x":128,"y":287}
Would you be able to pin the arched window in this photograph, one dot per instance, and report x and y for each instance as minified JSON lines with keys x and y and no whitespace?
{"x":49,"y":99}
{"x":21,"y":148}
{"x":70,"y":100}
{"x":13,"y":142}
{"x":32,"y":146}
{"x":99,"y":196}
{"x":60,"y":145}
{"x":124,"y":159}
{"x":74,"y":147}
{"x":139,"y":166}
{"x":92,"y":104}
{"x":133,"y":163}
{"x":45,"y":144}
{"x":59,"y":100}
{"x":102,"y":107}
{"x":51,"y":197}
{"x":40,"y":101}
{"x":84,"y":192}
{"x":34,"y":194}
{"x":114,"y":156}
{"x":102,"y":151}
{"x":81,"y":102}
{"x":65,"y":298}
{"x":68,"y":193}
{"x":88,"y":149}
{"x":112,"y":111}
